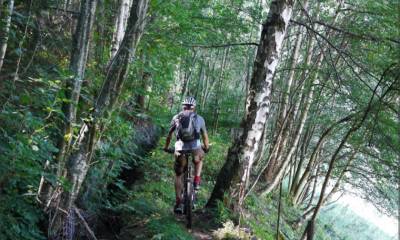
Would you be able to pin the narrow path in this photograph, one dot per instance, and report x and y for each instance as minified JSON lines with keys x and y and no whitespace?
{"x":202,"y":230}
{"x":147,"y":212}
{"x":199,"y":235}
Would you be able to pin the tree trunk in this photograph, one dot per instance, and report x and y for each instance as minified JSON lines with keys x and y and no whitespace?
{"x":121,"y":21}
{"x":200,"y":84}
{"x":353,"y":129}
{"x":279,"y":213}
{"x":276,"y":176}
{"x":251,"y":55}
{"x":80,"y":50}
{"x":5,"y":23}
{"x":314,"y":187}
{"x":294,"y":60}
{"x":339,"y":179}
{"x":210,"y":79}
{"x":77,"y":66}
{"x":101,"y":29}
{"x":283,"y":163}
{"x":244,"y":150}
{"x":302,"y":155}
{"x":302,"y":182}
{"x":22,"y":41}
{"x":144,"y":86}
{"x":79,"y":56}
{"x":283,"y":129}
{"x":206,"y":84}
{"x":66,"y":5}
{"x":308,"y":234}
{"x":79,"y":159}
{"x":218,"y":92}
{"x":187,"y":75}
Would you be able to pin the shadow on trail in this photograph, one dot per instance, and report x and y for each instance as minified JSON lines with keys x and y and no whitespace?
{"x":202,"y":224}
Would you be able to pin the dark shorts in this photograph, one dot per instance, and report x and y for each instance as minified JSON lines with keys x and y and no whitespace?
{"x":180,"y":161}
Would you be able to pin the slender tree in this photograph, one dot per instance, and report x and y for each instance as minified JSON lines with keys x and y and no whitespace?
{"x":242,"y":153}
{"x":121,"y":21}
{"x":77,"y":66}
{"x":78,"y":162}
{"x":309,"y":231}
{"x":5,"y":23}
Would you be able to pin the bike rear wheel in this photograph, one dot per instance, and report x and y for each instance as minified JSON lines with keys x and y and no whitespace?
{"x":189,"y":199}
{"x":189,"y":208}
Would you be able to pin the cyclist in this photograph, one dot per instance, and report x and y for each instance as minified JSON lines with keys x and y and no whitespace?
{"x":188,"y":126}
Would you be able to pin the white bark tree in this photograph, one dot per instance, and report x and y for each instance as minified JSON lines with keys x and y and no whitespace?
{"x":78,"y":160}
{"x":77,"y":66}
{"x":244,"y":150}
{"x":121,"y":21}
{"x":5,"y":24}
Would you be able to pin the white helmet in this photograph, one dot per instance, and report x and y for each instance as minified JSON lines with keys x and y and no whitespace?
{"x":189,"y":101}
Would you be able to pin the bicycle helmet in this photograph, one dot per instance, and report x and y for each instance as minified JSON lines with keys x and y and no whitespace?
{"x":189,"y":101}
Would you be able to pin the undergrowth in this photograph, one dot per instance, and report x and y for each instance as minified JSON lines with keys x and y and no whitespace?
{"x":147,"y":214}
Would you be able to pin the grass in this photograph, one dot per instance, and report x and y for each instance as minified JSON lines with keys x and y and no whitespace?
{"x":147,"y":213}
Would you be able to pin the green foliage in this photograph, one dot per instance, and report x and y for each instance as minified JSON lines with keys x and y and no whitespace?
{"x":110,"y":158}
{"x":223,"y":213}
{"x":167,"y":229}
{"x":215,"y":158}
{"x":264,"y":217}
{"x":174,"y":49}
{"x":149,"y":203}
{"x":25,"y":146}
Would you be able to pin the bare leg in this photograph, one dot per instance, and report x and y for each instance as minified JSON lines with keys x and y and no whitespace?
{"x":198,"y":162}
{"x":180,"y":164}
{"x":178,"y":186}
{"x":198,"y":165}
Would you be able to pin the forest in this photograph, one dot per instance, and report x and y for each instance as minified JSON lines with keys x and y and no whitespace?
{"x":301,"y":102}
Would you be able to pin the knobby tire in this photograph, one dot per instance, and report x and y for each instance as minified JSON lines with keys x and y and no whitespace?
{"x":189,"y":199}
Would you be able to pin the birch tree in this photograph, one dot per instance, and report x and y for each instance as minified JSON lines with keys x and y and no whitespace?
{"x":242,"y":153}
{"x":5,"y":23}
{"x":280,"y":160}
{"x":78,"y":162}
{"x":121,"y":21}
{"x":77,"y":66}
{"x":80,"y":51}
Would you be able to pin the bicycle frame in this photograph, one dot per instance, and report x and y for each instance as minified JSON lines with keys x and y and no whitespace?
{"x":188,"y":191}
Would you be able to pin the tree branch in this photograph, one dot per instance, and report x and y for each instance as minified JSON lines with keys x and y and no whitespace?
{"x":352,"y":34}
{"x":221,"y":45}
{"x":341,"y":53}
{"x":91,"y":233}
{"x":75,"y":13}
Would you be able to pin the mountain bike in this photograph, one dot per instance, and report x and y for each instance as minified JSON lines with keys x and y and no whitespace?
{"x":188,"y":193}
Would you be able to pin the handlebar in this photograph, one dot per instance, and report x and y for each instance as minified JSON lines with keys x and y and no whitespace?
{"x":169,"y":150}
{"x":172,"y":150}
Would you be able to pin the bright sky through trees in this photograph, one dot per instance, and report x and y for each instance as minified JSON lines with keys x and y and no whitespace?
{"x":369,"y":212}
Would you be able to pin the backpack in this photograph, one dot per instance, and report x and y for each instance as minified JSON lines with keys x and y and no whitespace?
{"x":186,"y":127}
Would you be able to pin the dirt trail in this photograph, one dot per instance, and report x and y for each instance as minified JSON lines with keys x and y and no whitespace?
{"x":202,"y":225}
{"x":199,"y":235}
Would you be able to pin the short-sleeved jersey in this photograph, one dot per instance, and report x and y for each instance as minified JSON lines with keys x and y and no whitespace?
{"x":200,"y":126}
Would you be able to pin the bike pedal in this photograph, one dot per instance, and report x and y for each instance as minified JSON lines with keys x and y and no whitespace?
{"x":179,"y":209}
